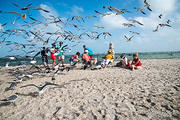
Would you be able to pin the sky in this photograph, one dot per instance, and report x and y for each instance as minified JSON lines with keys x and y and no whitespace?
{"x":166,"y":39}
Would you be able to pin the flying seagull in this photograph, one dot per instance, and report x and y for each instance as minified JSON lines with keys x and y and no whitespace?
{"x":163,"y":25}
{"x":140,"y":9}
{"x":102,"y":13}
{"x":160,"y":16}
{"x":156,"y":29}
{"x":41,"y":87}
{"x":22,"y":16}
{"x":128,"y":25}
{"x":168,"y":21}
{"x":128,"y":39}
{"x":135,"y":21}
{"x":147,"y":5}
{"x":134,"y":32}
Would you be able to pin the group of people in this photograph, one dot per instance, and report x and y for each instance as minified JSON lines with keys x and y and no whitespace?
{"x":87,"y":57}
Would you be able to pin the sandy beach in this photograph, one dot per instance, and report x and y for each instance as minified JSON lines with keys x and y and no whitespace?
{"x":152,"y":93}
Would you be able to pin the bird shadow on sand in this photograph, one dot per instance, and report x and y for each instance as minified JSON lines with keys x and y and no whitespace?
{"x":5,"y":104}
{"x":60,"y":86}
{"x":32,"y":94}
{"x":63,"y":85}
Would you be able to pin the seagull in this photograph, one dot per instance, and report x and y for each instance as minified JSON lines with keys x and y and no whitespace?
{"x":7,"y":64}
{"x":22,"y":8}
{"x":108,"y":7}
{"x":140,"y":9}
{"x":11,"y":98}
{"x":135,"y":21}
{"x":37,"y":21}
{"x":168,"y":21}
{"x":41,"y":87}
{"x":128,"y":25}
{"x":91,"y":16}
{"x":128,"y":39}
{"x":134,"y":32}
{"x":13,"y":22}
{"x":147,"y":5}
{"x":156,"y":29}
{"x":163,"y":25}
{"x":99,"y":27}
{"x":124,"y":10}
{"x":102,"y":13}
{"x":1,"y":26}
{"x":22,"y":16}
{"x":33,"y":61}
{"x":11,"y":87}
{"x":29,"y":7}
{"x":118,"y":12}
{"x":55,"y":73}
{"x":160,"y":16}
{"x":12,"y":57}
{"x":76,"y":26}
{"x":106,"y":33}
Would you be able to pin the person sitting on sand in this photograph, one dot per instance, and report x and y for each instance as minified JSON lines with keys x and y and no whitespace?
{"x":53,"y":55}
{"x":90,"y":52}
{"x":124,"y":62}
{"x":74,"y":59}
{"x":86,"y":59}
{"x":109,"y":57}
{"x":136,"y":63}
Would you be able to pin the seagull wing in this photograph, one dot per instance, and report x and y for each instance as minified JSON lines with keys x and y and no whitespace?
{"x":30,"y":85}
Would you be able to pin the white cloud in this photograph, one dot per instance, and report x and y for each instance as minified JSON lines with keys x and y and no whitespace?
{"x":75,"y":10}
{"x":163,"y":6}
{"x":166,"y":39}
{"x":113,"y":21}
{"x":53,"y":12}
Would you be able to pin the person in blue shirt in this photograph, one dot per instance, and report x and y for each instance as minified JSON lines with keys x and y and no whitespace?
{"x":90,"y":52}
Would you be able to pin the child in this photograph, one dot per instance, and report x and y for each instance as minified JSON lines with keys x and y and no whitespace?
{"x":108,"y":58}
{"x":111,"y":47}
{"x":53,"y":56}
{"x":86,"y":59}
{"x":74,"y":59}
{"x":136,"y":63}
{"x":124,"y":63}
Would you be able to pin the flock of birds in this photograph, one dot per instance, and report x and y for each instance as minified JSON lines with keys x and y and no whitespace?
{"x":28,"y":29}
{"x":24,"y":73}
{"x":35,"y":37}
{"x":123,"y":11}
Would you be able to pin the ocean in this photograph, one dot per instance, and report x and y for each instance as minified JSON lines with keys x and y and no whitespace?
{"x":148,"y":55}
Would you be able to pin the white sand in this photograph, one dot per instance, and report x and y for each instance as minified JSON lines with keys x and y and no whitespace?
{"x":106,"y":94}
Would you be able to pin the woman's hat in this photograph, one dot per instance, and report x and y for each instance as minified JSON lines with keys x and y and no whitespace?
{"x":86,"y":51}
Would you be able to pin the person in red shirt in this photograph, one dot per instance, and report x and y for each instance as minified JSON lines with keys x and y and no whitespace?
{"x":86,"y":59}
{"x":136,"y":63}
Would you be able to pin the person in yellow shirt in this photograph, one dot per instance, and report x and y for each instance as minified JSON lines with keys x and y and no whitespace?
{"x":109,"y":57}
